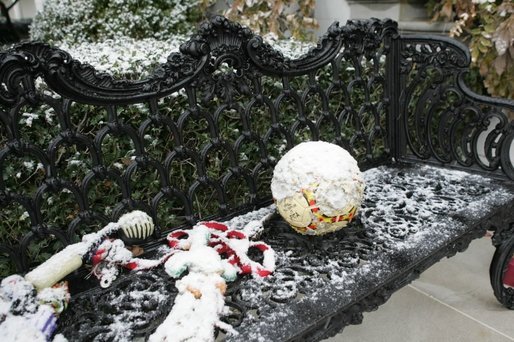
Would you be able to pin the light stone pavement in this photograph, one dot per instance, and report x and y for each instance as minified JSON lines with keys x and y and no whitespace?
{"x":452,"y":301}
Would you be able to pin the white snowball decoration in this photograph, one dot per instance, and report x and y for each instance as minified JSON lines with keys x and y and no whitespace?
{"x":318,"y":187}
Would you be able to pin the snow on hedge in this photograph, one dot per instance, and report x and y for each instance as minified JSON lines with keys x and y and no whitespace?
{"x":79,"y":21}
{"x":133,"y":58}
{"x":125,"y":57}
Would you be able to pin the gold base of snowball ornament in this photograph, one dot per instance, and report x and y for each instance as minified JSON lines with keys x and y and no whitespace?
{"x":317,"y":187}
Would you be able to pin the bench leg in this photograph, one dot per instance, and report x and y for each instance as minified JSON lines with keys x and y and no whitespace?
{"x":501,"y":270}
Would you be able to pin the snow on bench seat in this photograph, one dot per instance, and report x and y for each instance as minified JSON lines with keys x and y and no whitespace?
{"x":412,"y":216}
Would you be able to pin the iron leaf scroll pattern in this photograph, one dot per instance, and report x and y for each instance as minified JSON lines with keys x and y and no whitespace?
{"x":22,"y":65}
{"x":196,"y":140}
{"x":442,"y":119}
{"x":360,"y":37}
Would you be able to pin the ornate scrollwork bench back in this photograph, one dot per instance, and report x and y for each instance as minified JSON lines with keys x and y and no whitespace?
{"x":197,"y":140}
{"x":200,"y":137}
{"x":440,"y":119}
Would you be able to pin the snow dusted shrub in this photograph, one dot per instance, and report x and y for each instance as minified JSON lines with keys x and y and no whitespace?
{"x":487,"y":26}
{"x":78,"y":21}
{"x":136,"y":59}
{"x":125,"y":57}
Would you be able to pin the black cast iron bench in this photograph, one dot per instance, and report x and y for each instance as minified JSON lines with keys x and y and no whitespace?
{"x":198,"y":141}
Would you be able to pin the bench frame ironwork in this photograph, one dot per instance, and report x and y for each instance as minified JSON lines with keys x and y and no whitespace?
{"x":424,"y":112}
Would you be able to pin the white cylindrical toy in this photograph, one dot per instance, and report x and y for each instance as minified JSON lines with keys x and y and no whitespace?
{"x":57,"y":267}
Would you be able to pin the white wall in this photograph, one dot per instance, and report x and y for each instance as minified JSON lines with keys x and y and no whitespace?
{"x":328,"y":11}
{"x":411,"y":15}
{"x":25,"y":9}
{"x":362,"y":9}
